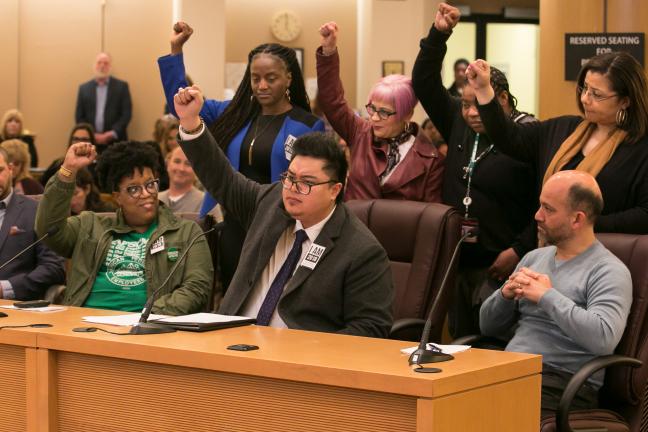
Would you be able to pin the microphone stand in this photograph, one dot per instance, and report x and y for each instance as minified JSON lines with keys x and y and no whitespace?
{"x":423,"y":354}
{"x":145,"y":327}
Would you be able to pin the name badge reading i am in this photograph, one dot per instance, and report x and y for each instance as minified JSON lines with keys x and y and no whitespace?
{"x":288,"y":146}
{"x":157,"y":246}
{"x":313,"y":256}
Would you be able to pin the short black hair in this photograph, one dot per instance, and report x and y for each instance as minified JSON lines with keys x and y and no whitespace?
{"x":324,"y":146}
{"x":581,"y":198}
{"x":121,"y":160}
{"x":459,"y":61}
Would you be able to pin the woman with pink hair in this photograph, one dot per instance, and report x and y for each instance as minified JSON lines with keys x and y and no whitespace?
{"x":390,"y":156}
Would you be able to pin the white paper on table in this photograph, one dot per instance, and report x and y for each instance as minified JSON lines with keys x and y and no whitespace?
{"x":38,"y":309}
{"x":201,"y":318}
{"x":120,"y":320}
{"x":445,"y":349}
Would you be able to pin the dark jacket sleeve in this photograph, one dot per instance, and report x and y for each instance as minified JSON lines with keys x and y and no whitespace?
{"x":520,"y":141}
{"x":439,"y":105}
{"x":49,"y":271}
{"x":631,"y":221}
{"x":80,"y":114}
{"x":233,"y":190}
{"x":125,"y":110}
{"x":331,"y":98}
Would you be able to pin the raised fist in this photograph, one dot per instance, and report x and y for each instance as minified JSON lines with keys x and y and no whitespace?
{"x":446,"y":18}
{"x":181,"y":34}
{"x":329,"y":33}
{"x":478,"y":74}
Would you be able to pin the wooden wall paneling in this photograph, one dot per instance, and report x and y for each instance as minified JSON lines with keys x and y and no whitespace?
{"x":557,"y":17}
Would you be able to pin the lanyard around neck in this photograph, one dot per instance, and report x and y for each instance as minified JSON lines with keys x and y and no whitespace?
{"x":468,"y":170}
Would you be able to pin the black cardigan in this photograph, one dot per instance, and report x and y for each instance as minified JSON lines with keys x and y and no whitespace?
{"x":503,"y":189}
{"x":623,"y":180}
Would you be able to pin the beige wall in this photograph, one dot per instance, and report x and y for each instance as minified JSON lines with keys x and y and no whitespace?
{"x":557,"y":17}
{"x":248,"y":25}
{"x":49,"y":49}
{"x":9,"y":69}
{"x":496,"y":6}
{"x":380,"y":41}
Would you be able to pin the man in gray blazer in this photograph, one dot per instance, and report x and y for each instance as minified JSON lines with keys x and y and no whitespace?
{"x":340,"y":279}
{"x":105,"y":103}
{"x":29,"y":276}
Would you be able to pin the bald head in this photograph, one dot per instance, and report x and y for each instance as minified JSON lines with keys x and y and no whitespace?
{"x":580,"y":190}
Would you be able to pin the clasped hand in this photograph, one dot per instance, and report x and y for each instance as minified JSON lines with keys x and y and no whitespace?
{"x":526,"y":283}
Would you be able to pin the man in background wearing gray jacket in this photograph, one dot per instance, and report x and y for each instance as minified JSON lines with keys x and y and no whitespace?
{"x":570,"y":299}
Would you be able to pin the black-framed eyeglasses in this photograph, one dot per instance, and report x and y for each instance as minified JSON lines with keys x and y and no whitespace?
{"x":593,"y":94}
{"x":151,"y":186}
{"x":79,"y":139}
{"x":302,"y":187}
{"x":383,"y":113}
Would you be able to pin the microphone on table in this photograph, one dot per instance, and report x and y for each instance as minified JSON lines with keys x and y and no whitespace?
{"x":423,"y":354}
{"x":145,"y":327}
{"x":49,"y":233}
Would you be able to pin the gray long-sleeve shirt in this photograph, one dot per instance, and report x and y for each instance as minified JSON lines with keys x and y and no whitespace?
{"x":581,"y":317}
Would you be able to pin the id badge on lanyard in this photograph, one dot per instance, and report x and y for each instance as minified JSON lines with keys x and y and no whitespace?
{"x":469,"y":223}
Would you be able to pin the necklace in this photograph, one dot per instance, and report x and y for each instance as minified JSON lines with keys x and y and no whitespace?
{"x":470,"y":168}
{"x":257,"y":133}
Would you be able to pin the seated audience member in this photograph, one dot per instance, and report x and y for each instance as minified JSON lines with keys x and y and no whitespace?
{"x":13,"y":128}
{"x":571,"y":299}
{"x":182,"y":195}
{"x":119,"y":261}
{"x":390,"y":157}
{"x":82,"y":132}
{"x":610,"y":141}
{"x":28,"y":276}
{"x":459,"y":68}
{"x":20,"y":159}
{"x":496,"y":193}
{"x":434,"y":136}
{"x":166,"y":133}
{"x":307,"y":262}
{"x":86,"y":195}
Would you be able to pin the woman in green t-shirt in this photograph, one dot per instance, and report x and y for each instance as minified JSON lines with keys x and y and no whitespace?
{"x":119,"y":260}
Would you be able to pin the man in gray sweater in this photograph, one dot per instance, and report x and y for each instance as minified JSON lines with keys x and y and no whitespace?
{"x":571,"y":299}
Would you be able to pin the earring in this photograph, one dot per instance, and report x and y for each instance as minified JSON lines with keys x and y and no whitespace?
{"x":251,"y":98}
{"x":288,"y":94}
{"x":621,"y":117}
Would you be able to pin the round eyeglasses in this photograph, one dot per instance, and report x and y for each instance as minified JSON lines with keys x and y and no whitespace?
{"x":151,"y":186}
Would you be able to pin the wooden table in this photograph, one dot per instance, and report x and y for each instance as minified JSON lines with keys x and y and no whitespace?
{"x":53,"y":379}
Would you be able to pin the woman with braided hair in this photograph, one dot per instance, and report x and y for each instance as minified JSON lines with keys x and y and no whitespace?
{"x":256,"y":129}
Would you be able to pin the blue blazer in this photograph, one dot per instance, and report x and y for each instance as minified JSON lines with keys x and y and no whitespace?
{"x":298,"y":122}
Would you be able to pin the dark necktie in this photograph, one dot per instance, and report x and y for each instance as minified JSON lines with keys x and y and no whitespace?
{"x":280,"y":280}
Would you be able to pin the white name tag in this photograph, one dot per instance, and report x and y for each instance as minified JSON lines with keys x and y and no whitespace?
{"x":288,"y":146}
{"x":158,"y":245}
{"x":313,"y":256}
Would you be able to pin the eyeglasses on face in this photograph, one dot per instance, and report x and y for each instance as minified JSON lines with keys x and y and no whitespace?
{"x":383,"y":113}
{"x":593,"y":94}
{"x":302,"y":187}
{"x":151,"y":186}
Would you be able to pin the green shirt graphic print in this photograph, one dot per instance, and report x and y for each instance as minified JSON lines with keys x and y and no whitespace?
{"x":121,"y":280}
